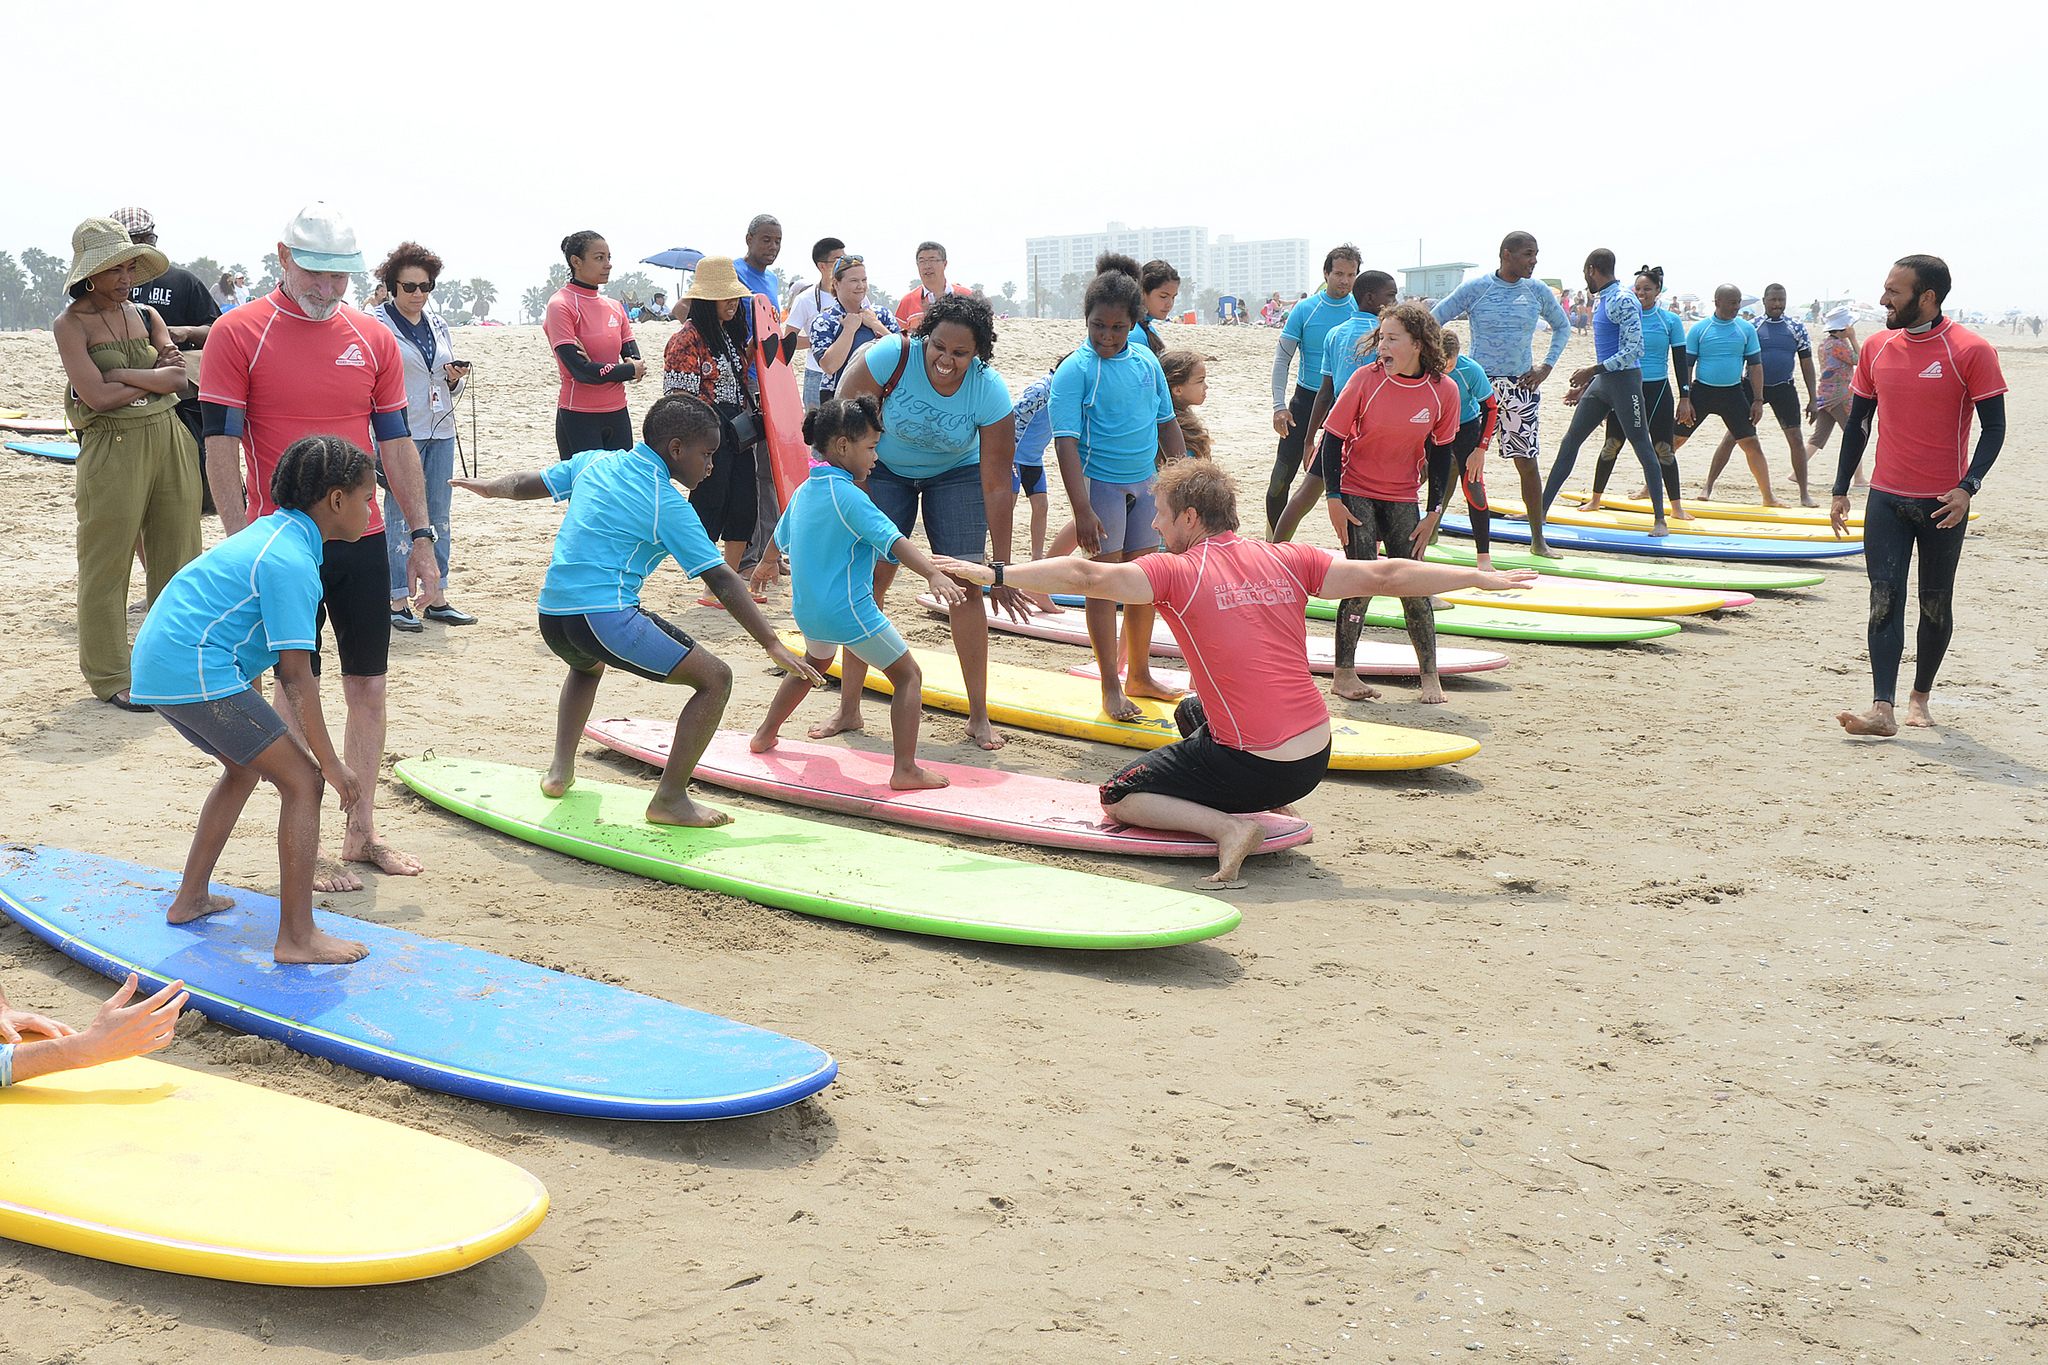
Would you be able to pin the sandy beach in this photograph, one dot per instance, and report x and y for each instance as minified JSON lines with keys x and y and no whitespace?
{"x":1672,"y":1026}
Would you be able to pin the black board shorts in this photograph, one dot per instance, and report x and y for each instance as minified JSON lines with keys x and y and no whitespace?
{"x":1201,"y":770}
{"x":355,"y":594}
{"x":1729,"y":402}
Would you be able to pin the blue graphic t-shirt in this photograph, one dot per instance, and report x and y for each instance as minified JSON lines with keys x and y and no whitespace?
{"x":925,"y":432}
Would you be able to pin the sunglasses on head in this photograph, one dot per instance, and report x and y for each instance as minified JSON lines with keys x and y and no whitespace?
{"x":408,"y":287}
{"x":846,"y":263}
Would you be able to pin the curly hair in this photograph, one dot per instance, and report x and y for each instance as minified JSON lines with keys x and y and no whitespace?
{"x":1179,"y":365}
{"x":852,"y":418}
{"x":313,"y":466}
{"x":679,"y":417}
{"x":404,"y":255}
{"x":1423,"y":330}
{"x":1114,"y":289}
{"x":970,"y":311}
{"x":1117,"y":261}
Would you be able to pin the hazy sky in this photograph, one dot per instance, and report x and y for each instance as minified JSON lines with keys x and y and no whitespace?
{"x":1837,"y":140}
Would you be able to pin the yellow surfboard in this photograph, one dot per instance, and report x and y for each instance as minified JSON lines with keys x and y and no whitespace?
{"x":1585,"y":597}
{"x":157,"y":1166}
{"x":1566,"y":513}
{"x":1726,"y":511}
{"x":1061,"y":704}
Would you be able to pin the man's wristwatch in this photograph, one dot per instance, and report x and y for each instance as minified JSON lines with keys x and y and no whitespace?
{"x":426,"y":533}
{"x":1970,"y":485}
{"x":998,"y":566}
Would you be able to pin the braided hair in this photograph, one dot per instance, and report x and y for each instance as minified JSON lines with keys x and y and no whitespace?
{"x":681,"y":417}
{"x":970,"y":311}
{"x":314,"y":466}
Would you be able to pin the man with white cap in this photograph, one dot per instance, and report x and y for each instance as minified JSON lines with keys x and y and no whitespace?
{"x":188,"y":309}
{"x":302,"y":362}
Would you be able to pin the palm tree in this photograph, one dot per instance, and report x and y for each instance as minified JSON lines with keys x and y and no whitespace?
{"x":534,"y":302}
{"x":485,"y":294}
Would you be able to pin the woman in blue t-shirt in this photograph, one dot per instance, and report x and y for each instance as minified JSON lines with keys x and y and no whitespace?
{"x":949,"y":439}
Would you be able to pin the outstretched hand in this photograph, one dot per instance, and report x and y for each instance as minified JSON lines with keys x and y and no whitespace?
{"x":481,"y":487}
{"x":947,"y":589}
{"x":790,"y":662}
{"x":964,"y":571}
{"x":122,"y":1029}
{"x":14,"y":1022}
{"x":1511,"y":580}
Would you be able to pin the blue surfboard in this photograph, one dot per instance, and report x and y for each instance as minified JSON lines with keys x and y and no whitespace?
{"x":432,"y":1014}
{"x":1740,"y":548}
{"x":67,"y":451}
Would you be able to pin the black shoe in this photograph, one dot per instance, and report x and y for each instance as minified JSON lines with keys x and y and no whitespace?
{"x":404,"y":620}
{"x":448,"y":615}
{"x":123,"y":701}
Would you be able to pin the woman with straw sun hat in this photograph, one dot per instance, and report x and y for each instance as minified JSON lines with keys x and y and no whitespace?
{"x":707,"y":359}
{"x":138,"y":473}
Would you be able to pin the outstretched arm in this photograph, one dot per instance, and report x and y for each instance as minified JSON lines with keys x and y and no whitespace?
{"x":1413,"y":578}
{"x":120,"y":1029}
{"x":1110,"y":582}
{"x":518,"y":487}
{"x":732,"y":592}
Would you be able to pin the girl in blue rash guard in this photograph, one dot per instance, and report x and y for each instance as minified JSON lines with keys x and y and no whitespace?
{"x":1664,"y":359}
{"x":834,"y":536}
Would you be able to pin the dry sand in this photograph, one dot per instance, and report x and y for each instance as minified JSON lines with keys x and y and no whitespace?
{"x":1672,"y":1026}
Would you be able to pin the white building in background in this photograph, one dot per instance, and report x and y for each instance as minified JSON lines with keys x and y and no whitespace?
{"x":1250,"y":270}
{"x":1054,"y":258}
{"x":1254,"y":270}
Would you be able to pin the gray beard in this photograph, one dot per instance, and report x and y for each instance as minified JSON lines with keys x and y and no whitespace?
{"x":318,"y":313}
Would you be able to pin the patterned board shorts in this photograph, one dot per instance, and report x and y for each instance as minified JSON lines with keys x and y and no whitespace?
{"x":1519,"y":410}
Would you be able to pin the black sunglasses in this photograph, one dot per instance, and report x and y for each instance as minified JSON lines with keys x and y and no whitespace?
{"x":408,"y":287}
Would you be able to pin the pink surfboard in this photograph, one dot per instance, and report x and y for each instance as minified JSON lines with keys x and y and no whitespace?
{"x":1376,"y":658}
{"x":984,"y":802}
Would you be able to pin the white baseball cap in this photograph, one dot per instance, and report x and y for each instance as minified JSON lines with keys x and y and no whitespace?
{"x":321,"y":239}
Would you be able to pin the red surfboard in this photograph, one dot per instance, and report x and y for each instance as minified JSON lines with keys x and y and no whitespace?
{"x":782,"y":405}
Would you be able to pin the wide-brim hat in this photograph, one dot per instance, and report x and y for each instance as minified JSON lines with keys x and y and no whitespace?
{"x":101,"y":244}
{"x":716,"y":279}
{"x":1839,"y":320}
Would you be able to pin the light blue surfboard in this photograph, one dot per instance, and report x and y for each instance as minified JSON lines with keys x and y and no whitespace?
{"x":1743,"y":549}
{"x":432,"y":1014}
{"x":66,"y":451}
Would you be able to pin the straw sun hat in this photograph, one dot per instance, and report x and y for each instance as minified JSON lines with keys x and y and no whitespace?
{"x":101,"y":243}
{"x":716,"y":279}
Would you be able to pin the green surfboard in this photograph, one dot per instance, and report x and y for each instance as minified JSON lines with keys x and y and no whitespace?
{"x":1491,"y":623}
{"x":1704,"y":575}
{"x":826,"y":870}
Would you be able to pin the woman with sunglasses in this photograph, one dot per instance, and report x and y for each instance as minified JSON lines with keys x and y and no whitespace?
{"x":433,"y":378}
{"x":847,"y":323}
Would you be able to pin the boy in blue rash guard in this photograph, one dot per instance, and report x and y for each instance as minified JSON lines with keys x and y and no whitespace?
{"x":1612,"y":386}
{"x":624,"y":518}
{"x":1728,"y":382}
{"x":1782,"y":342}
{"x":247,"y":605}
{"x":1034,"y":434}
{"x":1308,"y":325}
{"x":1663,"y":354}
{"x":1348,"y":346}
{"x":1112,"y":417}
{"x":834,"y":534}
{"x":1504,"y":307}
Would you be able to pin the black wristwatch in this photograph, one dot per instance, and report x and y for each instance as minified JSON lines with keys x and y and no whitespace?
{"x":1970,"y":485}
{"x":426,"y":533}
{"x":998,"y":566}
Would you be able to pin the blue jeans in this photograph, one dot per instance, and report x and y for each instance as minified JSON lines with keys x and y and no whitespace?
{"x":955,"y":517}
{"x":437,"y":459}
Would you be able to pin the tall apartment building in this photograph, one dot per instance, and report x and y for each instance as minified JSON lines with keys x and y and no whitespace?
{"x":1074,"y":253}
{"x":1253,"y":270}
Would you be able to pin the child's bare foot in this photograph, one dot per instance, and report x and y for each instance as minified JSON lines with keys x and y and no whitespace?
{"x":984,"y":734}
{"x":1115,"y":704}
{"x":1145,"y":685}
{"x":917,"y":779}
{"x":317,"y":947}
{"x":1876,"y":721}
{"x":184,"y":913}
{"x":1916,"y":712}
{"x":384,"y":858}
{"x":763,"y":740}
{"x":1351,"y":688}
{"x":1659,"y":527}
{"x":685,"y":812}
{"x":1538,"y":547}
{"x":556,"y":785}
{"x":1591,"y":504}
{"x":1432,"y":692}
{"x":840,"y":722}
{"x":329,"y":875}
